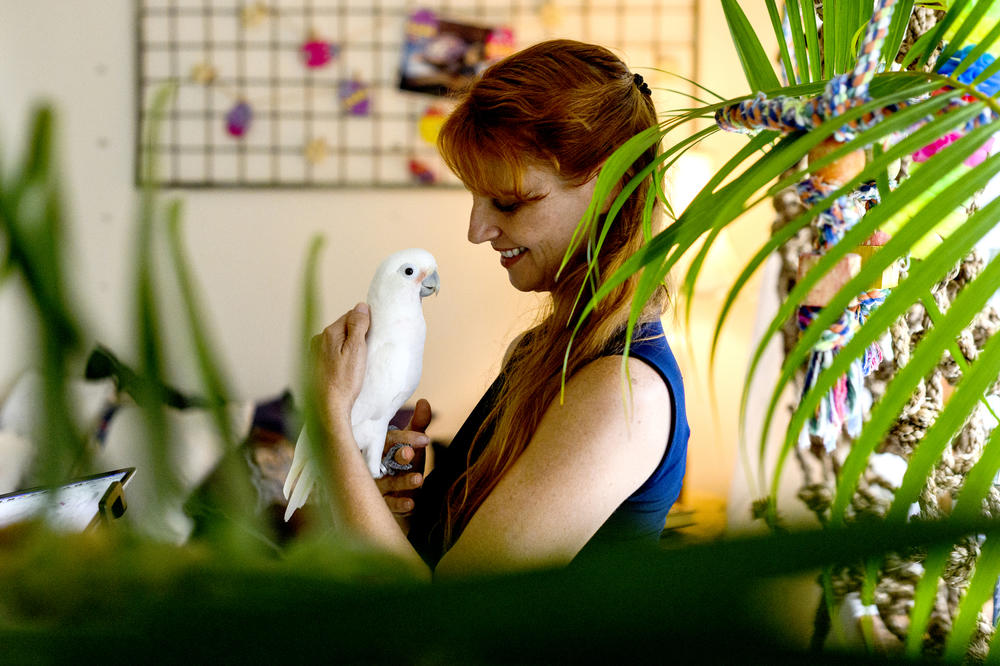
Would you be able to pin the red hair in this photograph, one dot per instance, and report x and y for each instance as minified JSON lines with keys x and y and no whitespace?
{"x":565,"y":106}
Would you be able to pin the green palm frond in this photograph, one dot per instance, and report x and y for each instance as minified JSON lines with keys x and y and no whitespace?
{"x":768,"y":164}
{"x":756,"y":64}
{"x":178,"y":589}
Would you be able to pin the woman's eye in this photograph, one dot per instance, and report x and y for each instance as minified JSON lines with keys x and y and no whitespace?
{"x":506,"y":207}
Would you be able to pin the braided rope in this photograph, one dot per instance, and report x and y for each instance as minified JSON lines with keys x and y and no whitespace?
{"x":846,"y":91}
{"x":899,"y":574}
{"x":845,"y":403}
{"x":842,"y":93}
{"x":871,"y":50}
{"x":832,"y":223}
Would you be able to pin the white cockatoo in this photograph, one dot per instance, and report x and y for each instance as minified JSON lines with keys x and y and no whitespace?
{"x":395,"y":343}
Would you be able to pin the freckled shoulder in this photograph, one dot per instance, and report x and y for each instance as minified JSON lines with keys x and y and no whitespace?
{"x":587,"y":456}
{"x":639,"y":396}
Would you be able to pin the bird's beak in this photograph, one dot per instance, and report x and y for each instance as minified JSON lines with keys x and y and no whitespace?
{"x":430,"y":285}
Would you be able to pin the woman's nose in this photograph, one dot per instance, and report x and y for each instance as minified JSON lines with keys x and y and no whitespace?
{"x":481,"y":226}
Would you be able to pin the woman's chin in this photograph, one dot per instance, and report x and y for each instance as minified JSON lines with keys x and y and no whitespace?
{"x":520,"y":283}
{"x":524,"y":278}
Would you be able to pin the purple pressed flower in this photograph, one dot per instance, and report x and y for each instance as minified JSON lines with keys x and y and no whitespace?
{"x":238,"y":119}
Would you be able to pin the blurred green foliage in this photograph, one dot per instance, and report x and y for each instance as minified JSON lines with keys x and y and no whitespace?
{"x":232,"y":596}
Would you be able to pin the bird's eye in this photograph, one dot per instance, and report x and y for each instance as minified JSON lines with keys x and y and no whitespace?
{"x":408,"y":271}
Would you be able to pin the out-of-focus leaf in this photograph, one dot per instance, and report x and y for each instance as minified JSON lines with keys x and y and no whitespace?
{"x":184,"y":605}
{"x":231,"y":508}
{"x":971,"y":21}
{"x":310,"y":327}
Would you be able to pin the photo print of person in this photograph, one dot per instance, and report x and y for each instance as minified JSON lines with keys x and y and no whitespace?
{"x":442,"y":57}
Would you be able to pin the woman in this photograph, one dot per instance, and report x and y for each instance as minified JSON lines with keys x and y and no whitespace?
{"x":533,"y":478}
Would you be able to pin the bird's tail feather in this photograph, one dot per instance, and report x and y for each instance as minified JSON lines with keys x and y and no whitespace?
{"x":299,"y":481}
{"x":301,"y":492}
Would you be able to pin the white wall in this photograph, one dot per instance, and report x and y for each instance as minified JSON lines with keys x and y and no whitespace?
{"x":247,"y":248}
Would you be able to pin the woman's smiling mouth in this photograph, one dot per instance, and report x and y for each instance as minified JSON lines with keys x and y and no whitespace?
{"x":511,"y":256}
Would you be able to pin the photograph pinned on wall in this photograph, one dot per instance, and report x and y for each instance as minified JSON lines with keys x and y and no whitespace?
{"x":441,"y":57}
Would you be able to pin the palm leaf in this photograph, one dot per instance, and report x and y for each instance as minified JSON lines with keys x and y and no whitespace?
{"x":940,"y":30}
{"x":694,"y":83}
{"x":977,"y":13}
{"x":900,"y":389}
{"x":897,"y":31}
{"x":756,"y":65}
{"x":854,"y":237}
{"x":841,"y":21}
{"x":798,"y":22}
{"x":921,"y":278}
{"x":899,"y":120}
{"x":786,"y":59}
{"x":923,"y":46}
{"x":812,"y":41}
{"x":979,"y":480}
{"x":981,"y":589}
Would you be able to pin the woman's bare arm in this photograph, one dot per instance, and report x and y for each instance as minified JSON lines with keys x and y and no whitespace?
{"x":587,"y":456}
{"x":355,"y":500}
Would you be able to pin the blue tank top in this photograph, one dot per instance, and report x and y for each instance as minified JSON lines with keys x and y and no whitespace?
{"x":639,"y":518}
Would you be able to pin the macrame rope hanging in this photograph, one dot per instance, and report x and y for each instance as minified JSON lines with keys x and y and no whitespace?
{"x":900,"y":574}
{"x":846,"y":402}
{"x":792,"y":114}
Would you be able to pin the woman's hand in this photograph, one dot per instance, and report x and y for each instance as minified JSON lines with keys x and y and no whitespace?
{"x":339,"y":355}
{"x":398,"y":490}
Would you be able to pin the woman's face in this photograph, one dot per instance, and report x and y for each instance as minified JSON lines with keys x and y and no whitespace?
{"x":531,"y":236}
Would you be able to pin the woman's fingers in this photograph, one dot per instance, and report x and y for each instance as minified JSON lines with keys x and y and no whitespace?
{"x":413,"y":443}
{"x":401,"y":506}
{"x":421,"y":416}
{"x":357,"y":324}
{"x":397,"y":491}
{"x":338,"y":362}
{"x":410,"y":446}
{"x":400,"y":483}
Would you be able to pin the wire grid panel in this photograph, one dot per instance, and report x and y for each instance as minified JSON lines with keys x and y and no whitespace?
{"x":251,"y":109}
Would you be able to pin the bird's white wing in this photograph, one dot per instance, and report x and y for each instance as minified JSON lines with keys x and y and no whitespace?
{"x":391,"y":377}
{"x":395,"y":344}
